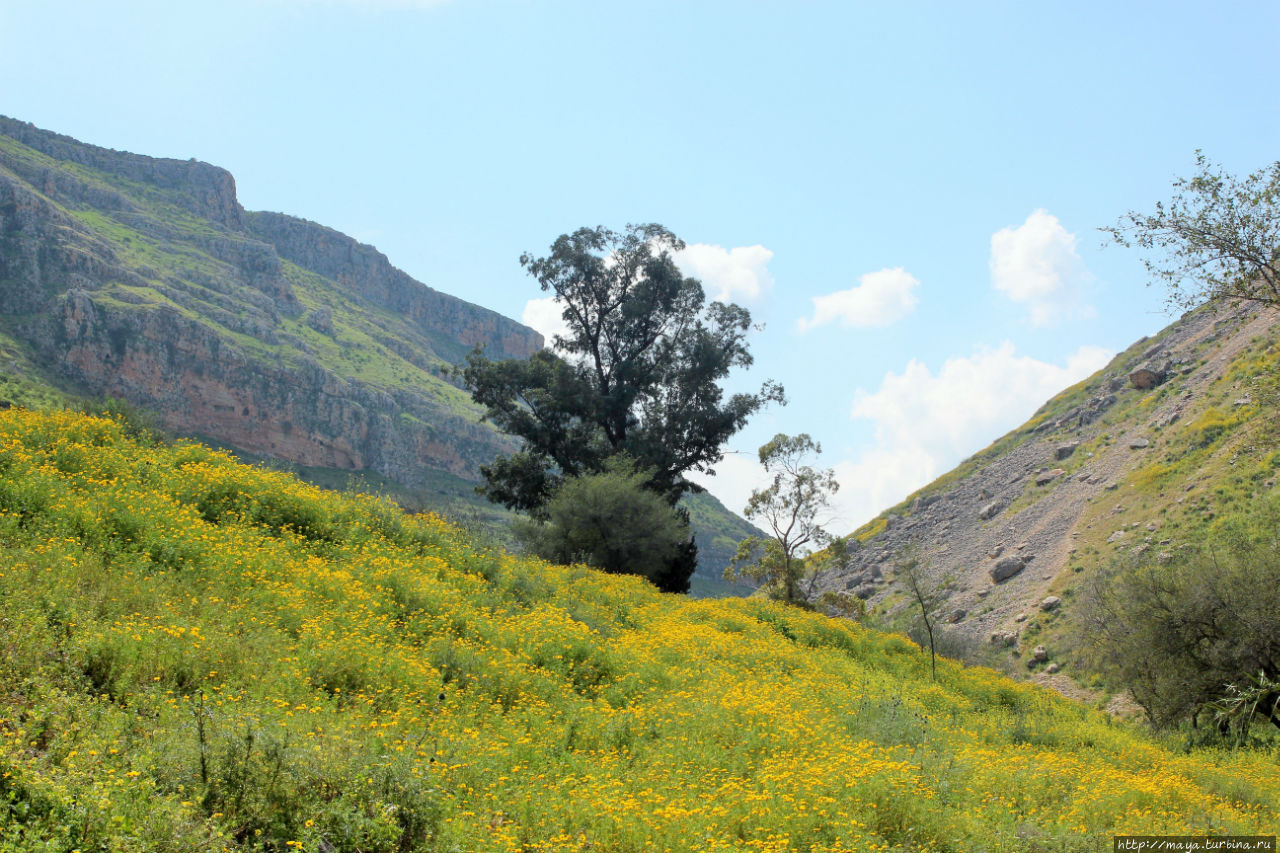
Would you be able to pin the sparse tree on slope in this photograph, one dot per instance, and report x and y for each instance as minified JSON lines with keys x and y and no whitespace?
{"x":910,"y":566}
{"x":1218,"y":238}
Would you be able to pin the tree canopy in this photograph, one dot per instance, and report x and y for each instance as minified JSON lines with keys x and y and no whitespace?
{"x":638,"y":372}
{"x":1218,"y":238}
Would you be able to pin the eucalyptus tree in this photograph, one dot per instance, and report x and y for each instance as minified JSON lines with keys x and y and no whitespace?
{"x":638,"y":374}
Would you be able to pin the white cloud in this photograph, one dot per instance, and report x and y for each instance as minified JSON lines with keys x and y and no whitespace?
{"x":729,"y":275}
{"x":881,"y":298}
{"x":1037,"y":264}
{"x":544,"y":316}
{"x":926,"y":423}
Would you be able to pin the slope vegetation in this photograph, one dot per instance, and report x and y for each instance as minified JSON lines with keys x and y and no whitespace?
{"x":199,"y":655}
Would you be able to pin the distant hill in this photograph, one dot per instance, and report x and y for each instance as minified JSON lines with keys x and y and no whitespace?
{"x":143,"y":279}
{"x":1139,"y":460}
{"x":200,"y":655}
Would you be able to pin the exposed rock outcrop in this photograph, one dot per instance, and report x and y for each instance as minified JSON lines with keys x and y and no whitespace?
{"x":366,"y":273}
{"x":197,"y":316}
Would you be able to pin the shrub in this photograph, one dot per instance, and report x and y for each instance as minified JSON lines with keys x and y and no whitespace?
{"x":609,"y":521}
{"x":1180,"y":635}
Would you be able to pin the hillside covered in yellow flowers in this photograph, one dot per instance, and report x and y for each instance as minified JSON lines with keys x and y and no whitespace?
{"x":200,"y":655}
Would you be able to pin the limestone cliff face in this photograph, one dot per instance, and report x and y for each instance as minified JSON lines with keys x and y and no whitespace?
{"x":203,"y":385}
{"x":368,"y":273}
{"x":205,"y":190}
{"x":143,"y":279}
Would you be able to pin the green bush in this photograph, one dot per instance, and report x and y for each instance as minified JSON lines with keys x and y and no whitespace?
{"x":609,"y":521}
{"x":1184,"y":636}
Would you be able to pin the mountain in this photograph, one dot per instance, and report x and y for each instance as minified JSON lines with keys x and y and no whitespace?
{"x":1137,"y":461}
{"x":202,"y":655}
{"x":144,"y":280}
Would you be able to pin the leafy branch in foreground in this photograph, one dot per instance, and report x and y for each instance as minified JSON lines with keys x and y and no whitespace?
{"x":1217,"y":239}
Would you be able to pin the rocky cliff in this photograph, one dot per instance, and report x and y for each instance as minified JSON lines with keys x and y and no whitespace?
{"x":143,"y":279}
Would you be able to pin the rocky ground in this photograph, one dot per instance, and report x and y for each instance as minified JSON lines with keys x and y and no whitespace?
{"x":1005,"y":532}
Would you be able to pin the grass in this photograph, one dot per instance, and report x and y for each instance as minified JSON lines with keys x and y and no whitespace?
{"x":200,"y":655}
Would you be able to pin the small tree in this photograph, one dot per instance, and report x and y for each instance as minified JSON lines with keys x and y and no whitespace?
{"x":911,"y":567}
{"x":610,"y":521}
{"x":790,"y":507}
{"x":1218,"y":238}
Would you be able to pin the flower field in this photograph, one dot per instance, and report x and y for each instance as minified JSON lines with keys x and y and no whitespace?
{"x":197,"y":655}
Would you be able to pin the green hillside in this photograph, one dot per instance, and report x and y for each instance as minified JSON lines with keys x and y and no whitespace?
{"x":200,"y":655}
{"x":143,"y":280}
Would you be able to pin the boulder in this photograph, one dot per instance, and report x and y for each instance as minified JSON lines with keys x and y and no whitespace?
{"x":958,"y":615}
{"x":1147,"y":376}
{"x":1044,"y":478}
{"x":321,"y":319}
{"x":1007,"y":568}
{"x":1053,"y":669}
{"x":1004,"y":638}
{"x":1139,"y":444}
{"x":1039,"y":653}
{"x":1051,"y":602}
{"x":990,"y":511}
{"x":1062,"y":451}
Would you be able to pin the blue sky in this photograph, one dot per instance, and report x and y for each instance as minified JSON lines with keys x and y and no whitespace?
{"x":906,"y":195}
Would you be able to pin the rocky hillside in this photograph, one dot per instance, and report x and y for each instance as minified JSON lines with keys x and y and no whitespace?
{"x":1131,"y":463}
{"x":144,"y":280}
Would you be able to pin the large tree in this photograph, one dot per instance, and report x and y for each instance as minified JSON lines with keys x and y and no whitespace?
{"x":638,"y":374}
{"x":1218,"y":238}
